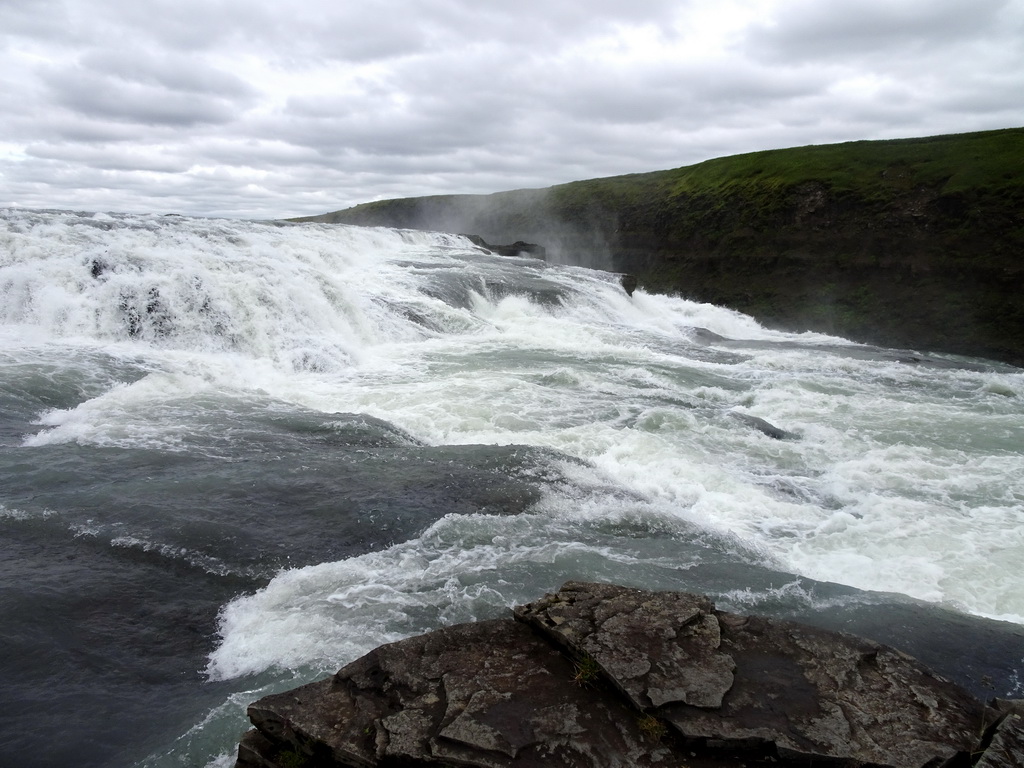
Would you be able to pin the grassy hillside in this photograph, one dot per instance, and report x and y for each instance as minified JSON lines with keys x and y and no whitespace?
{"x":912,"y":242}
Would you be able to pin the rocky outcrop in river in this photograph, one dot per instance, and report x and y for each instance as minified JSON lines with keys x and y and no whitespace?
{"x":602,"y":675}
{"x":518,"y":248}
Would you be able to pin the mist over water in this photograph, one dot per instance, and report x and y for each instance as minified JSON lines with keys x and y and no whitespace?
{"x":235,"y":456}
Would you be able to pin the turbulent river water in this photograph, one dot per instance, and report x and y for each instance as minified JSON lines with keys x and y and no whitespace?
{"x":235,"y":456}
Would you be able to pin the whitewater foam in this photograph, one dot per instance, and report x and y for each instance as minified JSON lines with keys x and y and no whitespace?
{"x":905,"y":473}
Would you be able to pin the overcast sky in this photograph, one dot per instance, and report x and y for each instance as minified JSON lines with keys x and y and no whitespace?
{"x":268,"y":109}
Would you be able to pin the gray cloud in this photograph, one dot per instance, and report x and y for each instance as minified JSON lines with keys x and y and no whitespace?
{"x":136,"y":86}
{"x":172,"y":72}
{"x":251,"y":108}
{"x":92,"y":95}
{"x":816,"y":30}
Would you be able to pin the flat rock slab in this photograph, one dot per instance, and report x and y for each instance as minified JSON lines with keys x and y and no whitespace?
{"x":655,"y":648}
{"x":740,"y":682}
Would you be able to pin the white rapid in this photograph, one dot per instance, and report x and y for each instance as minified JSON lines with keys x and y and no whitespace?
{"x":897,"y":471}
{"x":901,"y":476}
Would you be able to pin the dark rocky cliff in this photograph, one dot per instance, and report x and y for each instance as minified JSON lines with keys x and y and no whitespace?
{"x":912,"y":243}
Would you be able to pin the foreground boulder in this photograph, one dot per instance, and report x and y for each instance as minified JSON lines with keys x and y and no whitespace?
{"x":600,"y":675}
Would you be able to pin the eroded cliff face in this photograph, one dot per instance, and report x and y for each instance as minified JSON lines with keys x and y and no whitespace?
{"x":914,"y":243}
{"x":917,"y":268}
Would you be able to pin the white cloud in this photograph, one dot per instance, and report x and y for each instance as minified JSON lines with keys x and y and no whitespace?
{"x":255,"y":108}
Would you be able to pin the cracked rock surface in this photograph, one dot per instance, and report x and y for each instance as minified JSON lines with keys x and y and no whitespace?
{"x":1006,"y":749}
{"x":739,"y":681}
{"x":601,"y":675}
{"x":486,"y":694}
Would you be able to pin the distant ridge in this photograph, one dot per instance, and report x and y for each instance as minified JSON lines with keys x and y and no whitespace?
{"x":910,"y":242}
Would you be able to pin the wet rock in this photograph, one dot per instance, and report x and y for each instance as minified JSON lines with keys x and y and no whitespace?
{"x":629,"y":283}
{"x":601,"y":675}
{"x":764,"y":427}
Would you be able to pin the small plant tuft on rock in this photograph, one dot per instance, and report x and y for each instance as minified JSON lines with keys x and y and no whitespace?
{"x":652,"y":727}
{"x":587,"y":672}
{"x":291,"y":759}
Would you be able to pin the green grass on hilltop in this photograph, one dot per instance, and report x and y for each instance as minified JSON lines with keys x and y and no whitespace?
{"x":954,"y":163}
{"x":957,"y":162}
{"x":988,"y":161}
